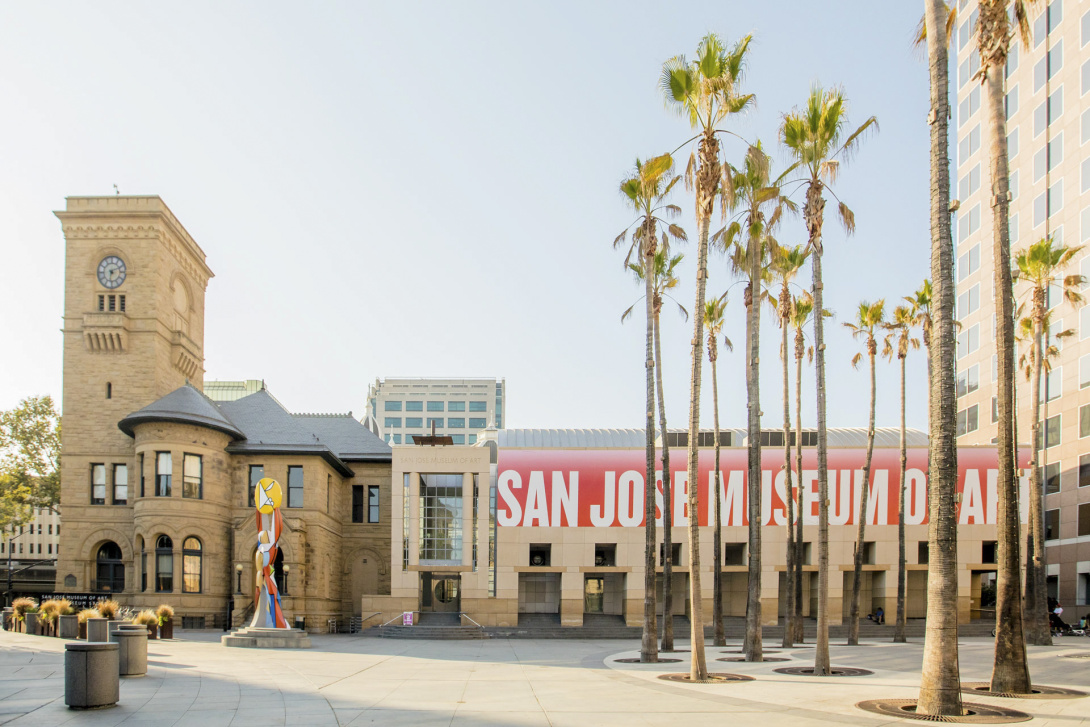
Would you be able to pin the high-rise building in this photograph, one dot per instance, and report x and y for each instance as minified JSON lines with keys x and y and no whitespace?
{"x":397,"y":409}
{"x":1048,"y":127}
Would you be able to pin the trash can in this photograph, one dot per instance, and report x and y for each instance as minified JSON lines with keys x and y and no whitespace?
{"x":91,"y":675}
{"x":132,"y":650}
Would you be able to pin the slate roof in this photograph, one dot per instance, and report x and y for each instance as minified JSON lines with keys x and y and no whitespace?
{"x":185,"y":405}
{"x":259,"y":424}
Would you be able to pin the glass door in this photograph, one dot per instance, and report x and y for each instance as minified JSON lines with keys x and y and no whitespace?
{"x":593,"y":590}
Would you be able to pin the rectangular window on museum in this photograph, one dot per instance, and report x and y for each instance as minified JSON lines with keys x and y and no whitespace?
{"x":1050,"y":433}
{"x":1052,"y":478}
{"x":121,"y":484}
{"x":414,"y":422}
{"x":392,"y":422}
{"x":1084,"y":522}
{"x":357,"y":503}
{"x":478,"y":406}
{"x":98,"y":484}
{"x":192,"y":476}
{"x":1052,"y":525}
{"x":372,"y":503}
{"x":1084,"y":470}
{"x":414,"y":406}
{"x":456,"y":423}
{"x":295,"y":486}
{"x":257,"y":472}
{"x":163,"y":466}
{"x":968,"y":380}
{"x":437,"y":421}
{"x":392,"y":406}
{"x":456,"y":406}
{"x":457,"y":439}
{"x":435,"y":406}
{"x":472,"y":439}
{"x":967,"y":420}
{"x":477,"y":423}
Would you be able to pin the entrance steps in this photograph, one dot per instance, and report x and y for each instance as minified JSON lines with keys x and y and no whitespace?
{"x":440,"y":626}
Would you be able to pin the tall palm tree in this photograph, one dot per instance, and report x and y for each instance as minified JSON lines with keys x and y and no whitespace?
{"x":713,"y":321}
{"x":815,"y":137}
{"x":802,"y":307}
{"x":665,"y":279}
{"x":757,"y":206}
{"x":898,"y":344}
{"x":646,"y":189}
{"x":706,"y":93}
{"x":1040,"y":266}
{"x":869,"y":319}
{"x":786,"y":264}
{"x":940,"y":684}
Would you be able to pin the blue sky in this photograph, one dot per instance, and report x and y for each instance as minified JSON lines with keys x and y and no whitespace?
{"x":430,"y":189}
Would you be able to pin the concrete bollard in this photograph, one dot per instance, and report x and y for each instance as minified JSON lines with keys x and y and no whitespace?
{"x":97,"y":630}
{"x":7,"y":622}
{"x":132,"y":650}
{"x":68,"y":627}
{"x":91,"y":675}
{"x":31,"y":623}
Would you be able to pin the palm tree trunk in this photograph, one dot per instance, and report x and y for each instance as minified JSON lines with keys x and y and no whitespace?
{"x":940,"y":683}
{"x":718,"y":636}
{"x":667,"y":524}
{"x":1010,"y":670}
{"x":789,"y":574}
{"x":754,"y":646}
{"x":707,"y":180}
{"x":814,"y":214}
{"x":860,"y":543}
{"x":649,"y":644}
{"x":799,"y":545}
{"x":1038,"y":631}
{"x":899,"y":628}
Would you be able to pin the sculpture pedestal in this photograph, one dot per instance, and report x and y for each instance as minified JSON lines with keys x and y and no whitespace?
{"x":251,"y":638}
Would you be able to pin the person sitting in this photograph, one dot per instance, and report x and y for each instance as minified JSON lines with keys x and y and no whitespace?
{"x":878,"y":617}
{"x":1057,"y":623}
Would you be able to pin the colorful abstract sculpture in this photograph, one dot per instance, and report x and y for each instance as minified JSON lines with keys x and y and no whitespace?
{"x":268,"y":611}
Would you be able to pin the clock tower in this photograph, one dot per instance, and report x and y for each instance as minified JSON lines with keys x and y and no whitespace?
{"x":134,"y":289}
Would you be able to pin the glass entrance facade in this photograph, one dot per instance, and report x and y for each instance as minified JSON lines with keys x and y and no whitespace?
{"x":440,"y":519}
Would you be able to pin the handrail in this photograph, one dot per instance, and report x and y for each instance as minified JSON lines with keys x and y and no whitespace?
{"x":364,"y":618}
{"x":395,"y":618}
{"x":463,"y":613}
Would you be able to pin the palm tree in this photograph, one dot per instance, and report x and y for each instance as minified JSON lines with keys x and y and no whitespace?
{"x":704,"y":92}
{"x":940,"y":684}
{"x":665,"y":279}
{"x":869,"y":319}
{"x":786,"y":264}
{"x":1040,"y":266}
{"x":749,"y":191}
{"x":713,"y":321}
{"x":904,"y":319}
{"x":815,"y":137}
{"x":646,"y":189}
{"x":802,"y":307}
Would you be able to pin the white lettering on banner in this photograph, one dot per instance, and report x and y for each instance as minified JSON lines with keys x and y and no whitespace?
{"x":779,"y":515}
{"x":630,"y":499}
{"x":537,"y":509}
{"x":841,"y":506}
{"x":916,"y":511}
{"x":681,"y":500}
{"x":991,"y":497}
{"x":878,"y":501}
{"x":567,"y":498}
{"x":766,"y":497}
{"x":730,"y":502}
{"x":504,"y":483}
{"x":810,"y":497}
{"x":602,"y":516}
{"x":972,"y":500}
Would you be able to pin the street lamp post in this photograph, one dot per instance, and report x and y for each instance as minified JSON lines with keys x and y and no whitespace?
{"x":238,"y":572}
{"x":287,"y":569}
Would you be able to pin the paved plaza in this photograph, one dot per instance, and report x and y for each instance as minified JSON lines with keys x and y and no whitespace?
{"x":353,"y":680}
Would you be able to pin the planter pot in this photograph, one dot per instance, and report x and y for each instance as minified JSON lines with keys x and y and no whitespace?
{"x":91,"y":675}
{"x":97,"y":630}
{"x":81,"y":631}
{"x":166,"y":629}
{"x":31,"y":623}
{"x":68,"y":627}
{"x":153,"y":631}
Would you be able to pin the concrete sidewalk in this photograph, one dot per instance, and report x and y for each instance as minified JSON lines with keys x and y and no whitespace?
{"x":349,"y":680}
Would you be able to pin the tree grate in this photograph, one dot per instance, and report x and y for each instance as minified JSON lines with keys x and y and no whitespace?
{"x":764,"y":659}
{"x":835,"y":671}
{"x":1038,"y":692}
{"x":636,"y":660}
{"x":713,"y":678}
{"x":974,"y":713}
{"x":1077,"y":656}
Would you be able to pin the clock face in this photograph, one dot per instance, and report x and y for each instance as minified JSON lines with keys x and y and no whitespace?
{"x":111,"y":272}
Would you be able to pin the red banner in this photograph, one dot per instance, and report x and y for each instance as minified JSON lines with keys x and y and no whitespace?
{"x":605,"y":488}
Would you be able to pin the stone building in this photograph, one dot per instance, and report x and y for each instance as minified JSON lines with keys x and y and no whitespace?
{"x":156,"y":477}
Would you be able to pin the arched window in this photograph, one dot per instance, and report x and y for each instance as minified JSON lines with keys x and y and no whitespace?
{"x":164,"y":565}
{"x":143,"y":564}
{"x":191,"y":565}
{"x":110,"y":571}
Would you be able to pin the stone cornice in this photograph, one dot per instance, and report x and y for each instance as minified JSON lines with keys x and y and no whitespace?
{"x":190,"y":261}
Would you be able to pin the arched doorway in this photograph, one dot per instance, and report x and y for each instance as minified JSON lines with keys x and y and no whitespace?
{"x":109,"y":570}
